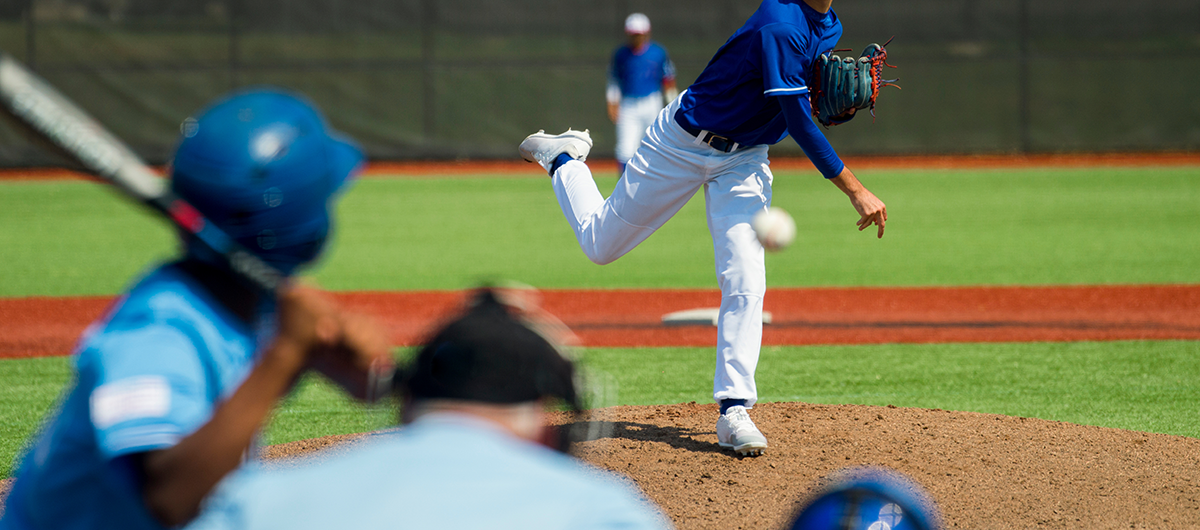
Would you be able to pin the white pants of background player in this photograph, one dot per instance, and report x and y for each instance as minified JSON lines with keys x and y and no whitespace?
{"x":668,"y":168}
{"x":636,"y":115}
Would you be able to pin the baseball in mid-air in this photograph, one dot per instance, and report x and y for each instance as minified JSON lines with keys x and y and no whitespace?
{"x":775,"y":228}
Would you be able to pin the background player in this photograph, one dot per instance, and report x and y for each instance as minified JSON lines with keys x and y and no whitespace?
{"x":640,"y":76}
{"x":753,"y":93}
{"x":476,"y":449}
{"x":173,"y":383}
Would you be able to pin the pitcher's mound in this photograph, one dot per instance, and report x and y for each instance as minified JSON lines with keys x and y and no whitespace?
{"x":984,"y":470}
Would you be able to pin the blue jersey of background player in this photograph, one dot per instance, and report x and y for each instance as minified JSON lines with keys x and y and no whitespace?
{"x":639,"y":71}
{"x":755,"y":90}
{"x":172,"y":384}
{"x":640,"y":77}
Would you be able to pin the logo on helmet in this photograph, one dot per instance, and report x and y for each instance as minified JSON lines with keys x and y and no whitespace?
{"x":189,"y":127}
{"x":273,"y":197}
{"x":267,"y":239}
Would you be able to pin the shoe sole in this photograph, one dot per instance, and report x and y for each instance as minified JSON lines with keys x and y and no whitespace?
{"x":746,"y":449}
{"x":750,"y":451}
{"x":571,"y":150}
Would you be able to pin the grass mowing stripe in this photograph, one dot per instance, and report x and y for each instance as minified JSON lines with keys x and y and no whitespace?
{"x":947,"y":227}
{"x":1138,"y":385}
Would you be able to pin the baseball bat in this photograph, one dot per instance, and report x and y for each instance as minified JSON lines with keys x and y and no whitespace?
{"x":49,"y":116}
{"x":53,"y":118}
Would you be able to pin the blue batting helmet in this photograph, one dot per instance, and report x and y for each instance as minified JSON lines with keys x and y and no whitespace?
{"x":869,"y":499}
{"x":263,"y":166}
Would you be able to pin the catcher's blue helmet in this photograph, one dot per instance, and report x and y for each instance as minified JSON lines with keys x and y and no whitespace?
{"x":869,"y":499}
{"x":263,"y":166}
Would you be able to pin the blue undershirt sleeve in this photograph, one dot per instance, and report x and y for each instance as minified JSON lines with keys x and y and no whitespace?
{"x":798,"y":112}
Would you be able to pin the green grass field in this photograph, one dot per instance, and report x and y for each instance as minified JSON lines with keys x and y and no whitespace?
{"x":947,"y":227}
{"x":1080,"y":226}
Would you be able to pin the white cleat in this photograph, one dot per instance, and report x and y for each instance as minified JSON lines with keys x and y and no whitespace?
{"x":736,"y":431}
{"x":544,"y":148}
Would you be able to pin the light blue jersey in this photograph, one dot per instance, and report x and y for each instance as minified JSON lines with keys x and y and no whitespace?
{"x":770,"y":56}
{"x":146,"y":375}
{"x":640,"y":73}
{"x":444,"y":471}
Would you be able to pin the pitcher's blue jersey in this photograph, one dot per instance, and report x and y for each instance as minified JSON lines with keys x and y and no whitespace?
{"x":641,"y":74}
{"x":771,"y":55}
{"x":148,"y":375}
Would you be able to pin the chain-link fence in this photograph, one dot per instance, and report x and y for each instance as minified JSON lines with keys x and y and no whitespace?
{"x":443,"y":79}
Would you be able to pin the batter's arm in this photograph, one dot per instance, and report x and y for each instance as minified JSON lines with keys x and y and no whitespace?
{"x":176,"y":479}
{"x":798,"y":112}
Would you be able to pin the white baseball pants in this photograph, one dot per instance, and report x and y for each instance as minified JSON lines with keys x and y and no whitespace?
{"x":668,"y":168}
{"x":635,"y":116}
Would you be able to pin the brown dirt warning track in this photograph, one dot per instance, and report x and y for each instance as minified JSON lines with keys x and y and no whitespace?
{"x":42,"y":326}
{"x":477,"y":168}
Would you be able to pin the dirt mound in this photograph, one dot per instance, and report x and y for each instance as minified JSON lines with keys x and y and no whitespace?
{"x":984,"y":470}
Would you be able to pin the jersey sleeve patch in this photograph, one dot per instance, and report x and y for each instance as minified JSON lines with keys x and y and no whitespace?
{"x":151,"y":389}
{"x":130,"y":399}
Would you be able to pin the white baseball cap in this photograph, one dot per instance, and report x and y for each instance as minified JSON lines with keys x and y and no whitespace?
{"x":637,"y":23}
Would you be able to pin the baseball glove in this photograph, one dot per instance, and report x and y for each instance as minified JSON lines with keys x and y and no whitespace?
{"x":843,"y":86}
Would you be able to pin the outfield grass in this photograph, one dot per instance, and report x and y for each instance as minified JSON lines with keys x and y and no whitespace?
{"x":989,"y":227}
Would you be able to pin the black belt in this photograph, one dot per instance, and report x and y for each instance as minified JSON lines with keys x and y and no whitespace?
{"x":714,"y":140}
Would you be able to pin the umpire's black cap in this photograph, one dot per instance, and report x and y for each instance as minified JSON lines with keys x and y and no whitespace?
{"x":490,"y":355}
